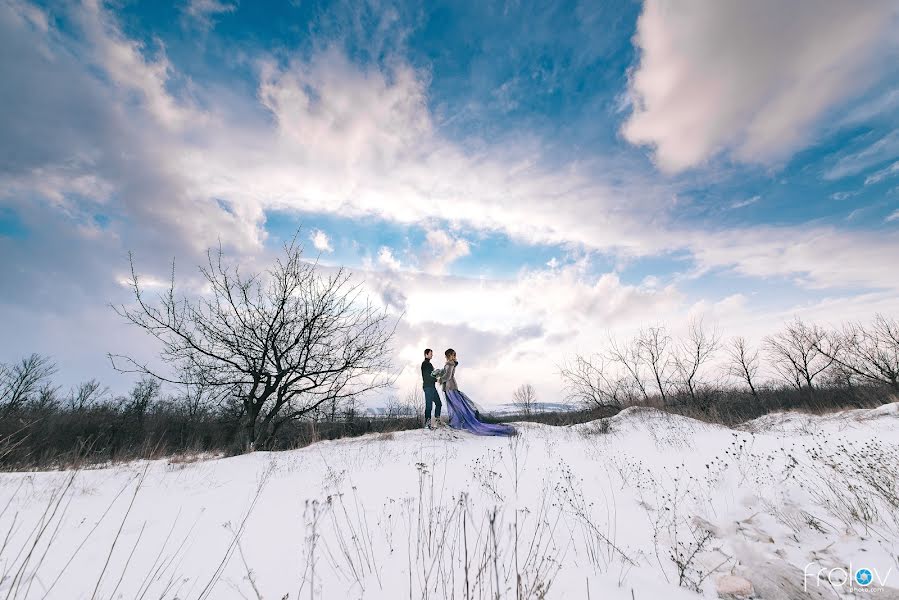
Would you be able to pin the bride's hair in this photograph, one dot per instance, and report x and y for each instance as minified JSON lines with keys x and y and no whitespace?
{"x":449,"y":353}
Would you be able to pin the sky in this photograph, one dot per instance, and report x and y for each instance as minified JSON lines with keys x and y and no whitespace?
{"x":518,"y":181}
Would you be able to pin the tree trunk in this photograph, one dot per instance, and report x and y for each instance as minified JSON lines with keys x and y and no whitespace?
{"x":252,"y":415}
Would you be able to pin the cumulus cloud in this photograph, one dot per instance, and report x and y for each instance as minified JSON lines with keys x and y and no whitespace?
{"x":387,"y":260}
{"x":557,"y":299}
{"x":748,"y":78}
{"x":441,"y":250}
{"x":79,"y":132}
{"x":361,"y":141}
{"x":321,"y":241}
{"x":131,"y":72}
{"x":815,"y":257}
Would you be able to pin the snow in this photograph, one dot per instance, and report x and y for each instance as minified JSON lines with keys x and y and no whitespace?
{"x":599,"y":511}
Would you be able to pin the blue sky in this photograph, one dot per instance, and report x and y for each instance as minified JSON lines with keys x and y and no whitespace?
{"x":527,"y":177}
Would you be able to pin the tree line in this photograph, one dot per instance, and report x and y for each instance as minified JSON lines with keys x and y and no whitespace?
{"x":802,"y":365}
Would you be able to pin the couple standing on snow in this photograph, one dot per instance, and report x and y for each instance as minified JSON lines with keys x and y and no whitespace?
{"x":463,"y":412}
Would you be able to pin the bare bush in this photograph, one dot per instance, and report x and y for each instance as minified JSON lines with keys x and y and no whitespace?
{"x":285,"y":343}
{"x":587,"y":382}
{"x":85,"y":394}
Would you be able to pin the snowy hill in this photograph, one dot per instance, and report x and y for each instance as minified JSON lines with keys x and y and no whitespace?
{"x":644,"y":505}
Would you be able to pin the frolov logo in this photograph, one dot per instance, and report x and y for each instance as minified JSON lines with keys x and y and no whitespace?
{"x":845,"y":579}
{"x":864,"y":577}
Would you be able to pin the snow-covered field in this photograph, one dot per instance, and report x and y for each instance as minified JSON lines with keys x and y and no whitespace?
{"x":642,"y":506}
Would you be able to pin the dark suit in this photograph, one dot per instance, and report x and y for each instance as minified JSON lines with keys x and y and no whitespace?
{"x":428,"y":384}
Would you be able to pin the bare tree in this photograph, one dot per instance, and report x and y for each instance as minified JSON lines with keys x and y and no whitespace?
{"x":871,"y":353}
{"x":629,"y":357}
{"x":284,"y":343}
{"x":24,"y":381}
{"x":587,"y":382}
{"x":655,"y":353}
{"x":524,"y":398}
{"x":744,"y":363}
{"x":795,"y":355}
{"x":692,"y":353}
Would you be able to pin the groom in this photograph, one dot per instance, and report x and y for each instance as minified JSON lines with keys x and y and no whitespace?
{"x":432,"y":398}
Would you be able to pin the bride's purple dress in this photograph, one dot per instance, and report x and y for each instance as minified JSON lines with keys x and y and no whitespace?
{"x":462,"y":416}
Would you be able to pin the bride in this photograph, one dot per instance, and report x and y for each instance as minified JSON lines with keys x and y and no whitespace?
{"x":463,"y":413}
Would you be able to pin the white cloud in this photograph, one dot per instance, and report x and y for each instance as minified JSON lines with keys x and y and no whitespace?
{"x":884,"y":104}
{"x":204,"y":12}
{"x":36,"y":17}
{"x":843,"y":195}
{"x":748,"y":78}
{"x":744,"y":203}
{"x":387,"y":260}
{"x":882,"y":150}
{"x":321,"y":241}
{"x":819,"y":257}
{"x":856,"y":213}
{"x":894,"y":216}
{"x":441,"y":250}
{"x":559,"y":300}
{"x":124,"y":61}
{"x":360,"y":142}
{"x":879,"y":176}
